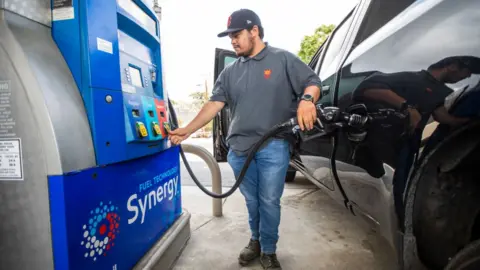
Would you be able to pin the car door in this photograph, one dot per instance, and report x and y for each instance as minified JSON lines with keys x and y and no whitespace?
{"x":363,"y":20}
{"x":316,"y":154}
{"x":221,"y":122}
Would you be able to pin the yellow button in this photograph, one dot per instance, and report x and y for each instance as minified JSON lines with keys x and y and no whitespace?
{"x":156,"y":129}
{"x":142,"y":131}
{"x":166,"y":126}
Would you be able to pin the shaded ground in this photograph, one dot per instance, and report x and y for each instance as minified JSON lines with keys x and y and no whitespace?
{"x":315,"y":232}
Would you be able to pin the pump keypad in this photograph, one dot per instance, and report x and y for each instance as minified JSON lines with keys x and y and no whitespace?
{"x":145,"y":80}
{"x":127,"y":74}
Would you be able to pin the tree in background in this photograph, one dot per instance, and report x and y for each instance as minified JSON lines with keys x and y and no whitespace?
{"x":310,"y":44}
{"x":199,"y":99}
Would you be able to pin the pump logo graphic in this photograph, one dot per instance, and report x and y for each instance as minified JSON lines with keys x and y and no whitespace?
{"x":100,"y":232}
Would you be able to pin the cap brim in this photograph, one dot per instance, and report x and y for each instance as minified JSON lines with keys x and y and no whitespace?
{"x":475,"y":67}
{"x":472,"y":63}
{"x":229,"y":31}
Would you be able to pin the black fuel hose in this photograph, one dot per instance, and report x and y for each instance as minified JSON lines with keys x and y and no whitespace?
{"x":272,"y":132}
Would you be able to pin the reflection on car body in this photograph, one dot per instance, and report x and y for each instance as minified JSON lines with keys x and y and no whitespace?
{"x":396,"y":142}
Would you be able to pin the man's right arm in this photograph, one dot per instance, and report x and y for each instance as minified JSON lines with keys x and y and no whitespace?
{"x":384,"y":95}
{"x":377,"y":88}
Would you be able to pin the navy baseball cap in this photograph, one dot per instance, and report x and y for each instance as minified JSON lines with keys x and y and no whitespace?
{"x":470,"y":62}
{"x":240,"y":20}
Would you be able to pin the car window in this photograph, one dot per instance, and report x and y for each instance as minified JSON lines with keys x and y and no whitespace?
{"x":380,"y":13}
{"x":228,"y":60}
{"x":416,"y":41}
{"x":332,"y":55}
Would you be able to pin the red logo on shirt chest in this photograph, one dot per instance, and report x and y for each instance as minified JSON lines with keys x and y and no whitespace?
{"x":267,"y":73}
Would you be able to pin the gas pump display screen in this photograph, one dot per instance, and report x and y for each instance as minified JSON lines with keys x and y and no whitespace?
{"x":146,"y":21}
{"x":136,"y":76}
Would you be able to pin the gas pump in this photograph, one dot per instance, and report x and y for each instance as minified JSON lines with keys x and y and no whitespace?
{"x":88,"y":179}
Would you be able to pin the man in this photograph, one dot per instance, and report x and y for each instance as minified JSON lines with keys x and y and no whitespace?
{"x":420,"y":95}
{"x":260,"y":89}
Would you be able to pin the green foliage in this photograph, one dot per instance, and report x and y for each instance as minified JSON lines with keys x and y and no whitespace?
{"x":199,"y":98}
{"x":310,"y":44}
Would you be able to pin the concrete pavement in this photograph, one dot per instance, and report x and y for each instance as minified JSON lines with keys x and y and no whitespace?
{"x":315,"y":232}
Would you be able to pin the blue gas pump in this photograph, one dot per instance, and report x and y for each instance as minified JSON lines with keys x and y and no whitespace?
{"x":85,"y":144}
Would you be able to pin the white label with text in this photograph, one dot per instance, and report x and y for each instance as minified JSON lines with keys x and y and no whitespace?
{"x":104,"y":45}
{"x":11,"y":167}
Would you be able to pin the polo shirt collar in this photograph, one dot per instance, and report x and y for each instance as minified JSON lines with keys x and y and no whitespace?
{"x":259,"y":56}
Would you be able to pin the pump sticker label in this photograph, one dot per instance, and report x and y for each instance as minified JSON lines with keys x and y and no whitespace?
{"x":11,"y":167}
{"x":104,"y":45}
{"x":62,"y":3}
{"x":63,"y":10}
{"x":127,"y":88}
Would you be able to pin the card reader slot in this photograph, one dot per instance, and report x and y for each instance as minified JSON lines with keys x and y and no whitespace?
{"x":136,"y":112}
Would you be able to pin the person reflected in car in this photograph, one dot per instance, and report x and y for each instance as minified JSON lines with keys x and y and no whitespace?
{"x":419,"y":95}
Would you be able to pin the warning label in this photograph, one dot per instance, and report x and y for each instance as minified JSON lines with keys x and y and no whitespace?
{"x":62,"y":3}
{"x":11,"y":167}
{"x":63,"y":10}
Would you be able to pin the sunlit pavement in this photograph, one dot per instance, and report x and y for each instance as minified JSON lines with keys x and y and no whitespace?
{"x":315,"y":231}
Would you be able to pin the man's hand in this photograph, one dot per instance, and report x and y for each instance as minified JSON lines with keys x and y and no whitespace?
{"x":306,"y":114}
{"x":442,"y":116}
{"x":178,"y":135}
{"x":415,"y":118}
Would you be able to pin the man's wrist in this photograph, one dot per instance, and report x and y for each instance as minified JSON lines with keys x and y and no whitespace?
{"x":404,"y":106}
{"x":314,"y":91}
{"x":307,"y":97}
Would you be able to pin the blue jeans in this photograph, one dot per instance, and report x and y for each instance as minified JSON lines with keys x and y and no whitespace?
{"x":262,"y":188}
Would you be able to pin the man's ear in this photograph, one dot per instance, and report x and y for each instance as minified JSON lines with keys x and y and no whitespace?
{"x":255,"y":31}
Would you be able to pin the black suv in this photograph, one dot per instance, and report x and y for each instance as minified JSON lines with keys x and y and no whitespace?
{"x":440,"y":225}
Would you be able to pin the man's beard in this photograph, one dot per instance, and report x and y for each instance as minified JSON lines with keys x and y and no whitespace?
{"x":249,"y":52}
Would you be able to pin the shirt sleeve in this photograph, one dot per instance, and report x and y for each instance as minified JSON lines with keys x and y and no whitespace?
{"x":374,"y":81}
{"x":219,"y":92}
{"x":300,"y":74}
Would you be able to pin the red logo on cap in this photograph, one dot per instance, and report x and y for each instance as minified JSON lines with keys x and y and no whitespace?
{"x":229,"y":21}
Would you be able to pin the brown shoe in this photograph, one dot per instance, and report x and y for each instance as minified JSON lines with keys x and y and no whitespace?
{"x":270,"y":262}
{"x":249,"y":253}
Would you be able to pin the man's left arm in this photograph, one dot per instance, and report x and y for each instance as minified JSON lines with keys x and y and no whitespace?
{"x":304,"y":81}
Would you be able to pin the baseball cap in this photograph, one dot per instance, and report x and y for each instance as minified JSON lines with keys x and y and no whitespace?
{"x":470,"y":62}
{"x":240,"y":20}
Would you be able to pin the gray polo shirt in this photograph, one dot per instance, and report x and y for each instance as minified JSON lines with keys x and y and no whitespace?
{"x":261,"y":92}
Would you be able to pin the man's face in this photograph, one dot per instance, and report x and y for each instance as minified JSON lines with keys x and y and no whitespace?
{"x":456,"y":73}
{"x":242,"y":42}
